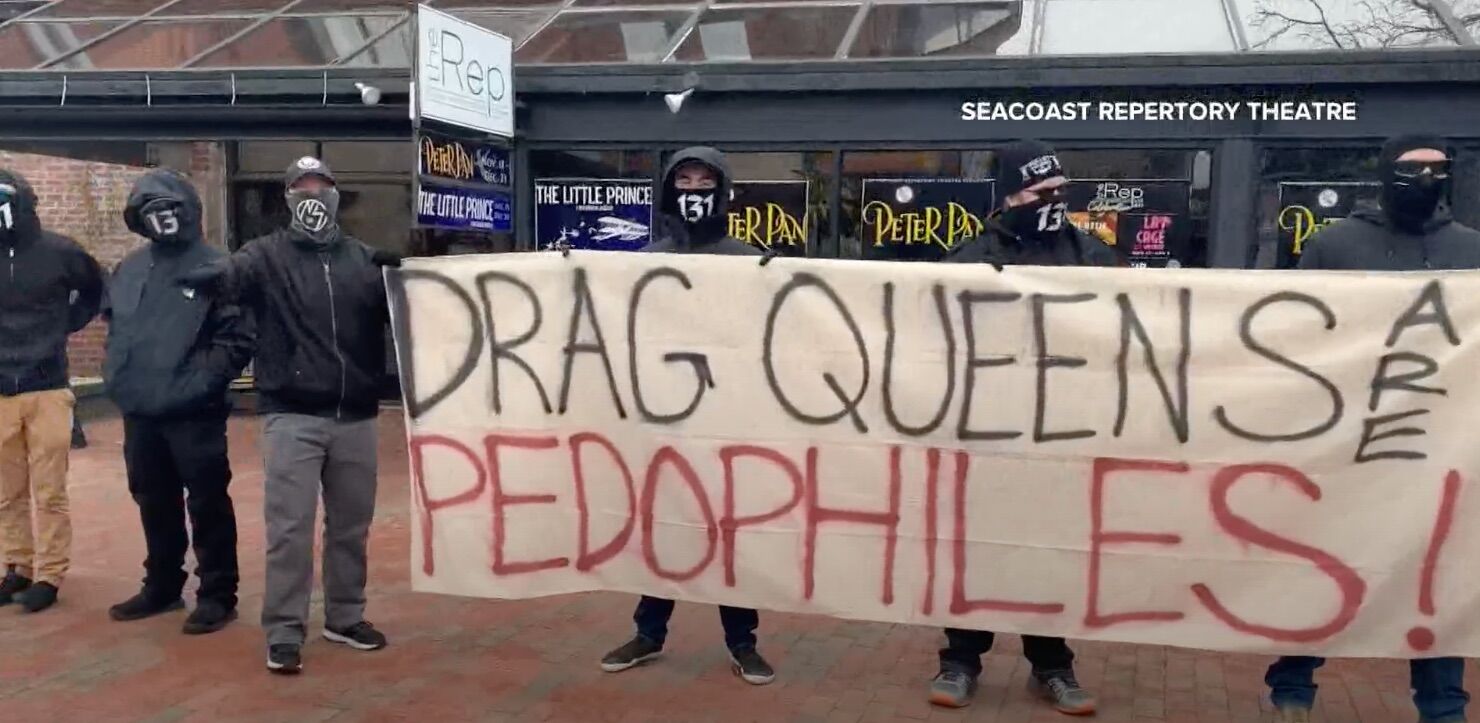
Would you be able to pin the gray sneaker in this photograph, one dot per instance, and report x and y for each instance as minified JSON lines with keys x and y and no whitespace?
{"x":952,"y":688}
{"x":1061,"y":689}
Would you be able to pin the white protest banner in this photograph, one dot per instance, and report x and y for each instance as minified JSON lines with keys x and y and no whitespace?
{"x":1240,"y":461}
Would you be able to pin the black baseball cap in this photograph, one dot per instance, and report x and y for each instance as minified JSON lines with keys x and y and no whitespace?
{"x":308,"y":166}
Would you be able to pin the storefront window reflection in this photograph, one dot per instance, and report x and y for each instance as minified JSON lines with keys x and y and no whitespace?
{"x":913,"y":205}
{"x":1303,"y":189}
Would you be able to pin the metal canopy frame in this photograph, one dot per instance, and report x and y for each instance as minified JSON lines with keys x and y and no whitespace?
{"x":1032,"y":14}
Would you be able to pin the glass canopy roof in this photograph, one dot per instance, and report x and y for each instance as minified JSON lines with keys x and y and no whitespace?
{"x":237,"y":34}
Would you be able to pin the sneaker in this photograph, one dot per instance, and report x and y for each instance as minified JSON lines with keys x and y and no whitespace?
{"x":751,"y":667}
{"x":1061,"y":689}
{"x":284,"y":659}
{"x":38,"y":597}
{"x":143,"y":606}
{"x":633,"y":653}
{"x":952,"y":688}
{"x":208,"y":617}
{"x":1293,"y":714}
{"x":13,"y":585}
{"x":360,"y":636}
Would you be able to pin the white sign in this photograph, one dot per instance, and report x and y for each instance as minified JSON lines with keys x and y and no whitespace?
{"x":464,"y":73}
{"x":1275,"y":462}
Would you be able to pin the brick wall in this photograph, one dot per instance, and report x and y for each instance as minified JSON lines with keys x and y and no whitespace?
{"x":85,"y":199}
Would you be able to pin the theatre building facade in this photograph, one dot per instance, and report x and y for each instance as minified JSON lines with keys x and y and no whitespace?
{"x":1198,"y":132}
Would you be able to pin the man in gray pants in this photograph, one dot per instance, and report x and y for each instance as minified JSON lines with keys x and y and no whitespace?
{"x":320,"y":304}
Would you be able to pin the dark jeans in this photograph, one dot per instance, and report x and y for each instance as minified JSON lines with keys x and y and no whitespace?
{"x":1437,"y":683}
{"x":165,"y":459}
{"x":965,"y":648}
{"x":652,"y":622}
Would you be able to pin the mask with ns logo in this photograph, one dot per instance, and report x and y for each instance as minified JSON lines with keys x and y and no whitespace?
{"x":314,"y":211}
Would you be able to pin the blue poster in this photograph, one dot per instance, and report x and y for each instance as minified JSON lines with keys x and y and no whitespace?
{"x":464,"y":208}
{"x":603,"y":214}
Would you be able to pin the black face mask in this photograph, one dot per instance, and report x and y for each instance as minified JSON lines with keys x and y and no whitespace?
{"x":162,"y":220}
{"x":315,"y":212}
{"x":1413,"y":190}
{"x":1040,"y":220}
{"x":695,"y":206}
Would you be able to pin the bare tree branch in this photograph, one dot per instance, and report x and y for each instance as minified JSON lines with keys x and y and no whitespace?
{"x":1365,"y":23}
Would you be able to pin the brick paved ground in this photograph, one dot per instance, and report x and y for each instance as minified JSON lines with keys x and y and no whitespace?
{"x":458,"y":659}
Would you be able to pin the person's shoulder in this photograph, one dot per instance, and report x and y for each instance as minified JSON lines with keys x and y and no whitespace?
{"x":265,"y":241}
{"x":60,"y":242}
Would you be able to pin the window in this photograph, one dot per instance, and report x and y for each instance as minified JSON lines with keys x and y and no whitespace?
{"x":936,"y":29}
{"x":271,"y":156}
{"x":791,"y":33}
{"x":156,"y":44}
{"x":782,"y":202}
{"x":616,"y":37}
{"x":300,"y":41}
{"x":1301,"y":189}
{"x":1150,"y":204}
{"x":912,"y":205}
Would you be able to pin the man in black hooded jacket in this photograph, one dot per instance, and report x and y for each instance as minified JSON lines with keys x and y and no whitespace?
{"x":691,"y":216}
{"x":49,"y":288}
{"x":172,"y":355}
{"x":1029,"y":228}
{"x":1409,"y":230}
{"x":318,"y":296}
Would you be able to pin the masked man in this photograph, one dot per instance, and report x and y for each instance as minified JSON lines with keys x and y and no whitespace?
{"x":319,"y":300}
{"x":172,"y":355}
{"x":49,"y":288}
{"x":692,"y":200}
{"x":1411,"y":230}
{"x":1030,"y":228}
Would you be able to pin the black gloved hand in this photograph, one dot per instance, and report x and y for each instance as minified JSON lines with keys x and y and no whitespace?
{"x":386,"y":258}
{"x":203,"y":278}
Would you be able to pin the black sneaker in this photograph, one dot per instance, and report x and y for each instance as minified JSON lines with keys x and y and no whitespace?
{"x":751,"y":667}
{"x":208,"y":617}
{"x":13,"y":585}
{"x":143,"y":606}
{"x":38,"y":597}
{"x":360,"y":636}
{"x":633,"y":653}
{"x":284,"y":659}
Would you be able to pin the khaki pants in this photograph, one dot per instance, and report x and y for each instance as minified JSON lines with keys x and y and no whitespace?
{"x":35,"y":438}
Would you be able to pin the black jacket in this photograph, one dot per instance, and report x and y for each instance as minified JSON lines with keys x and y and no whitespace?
{"x":49,"y":288}
{"x":1071,"y":247}
{"x":1367,"y":241}
{"x":321,"y":318}
{"x":171,"y":352}
{"x":710,"y":236}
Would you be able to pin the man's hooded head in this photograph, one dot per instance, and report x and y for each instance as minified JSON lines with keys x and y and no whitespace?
{"x":1029,"y":182}
{"x":164,"y":208}
{"x":18,"y":220}
{"x":1414,"y":170}
{"x":313,"y":200}
{"x":694,"y":191}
